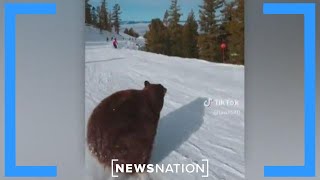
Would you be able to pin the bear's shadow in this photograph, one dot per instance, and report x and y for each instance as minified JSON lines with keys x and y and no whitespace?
{"x":176,"y":128}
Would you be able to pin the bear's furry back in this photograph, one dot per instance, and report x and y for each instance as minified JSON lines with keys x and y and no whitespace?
{"x":123,"y":126}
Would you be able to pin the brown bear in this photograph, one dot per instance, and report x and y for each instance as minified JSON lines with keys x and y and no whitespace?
{"x":123,"y":126}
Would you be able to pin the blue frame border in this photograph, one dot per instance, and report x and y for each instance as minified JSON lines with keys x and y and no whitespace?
{"x":11,"y":169}
{"x":309,"y":12}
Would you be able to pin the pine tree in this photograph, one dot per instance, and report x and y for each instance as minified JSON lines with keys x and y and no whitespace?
{"x":226,"y":14}
{"x":88,"y":17}
{"x":190,"y":37}
{"x":110,"y":21}
{"x":132,"y":33}
{"x":126,"y":31}
{"x":166,"y":18}
{"x":175,"y":29}
{"x":116,"y":18}
{"x":208,"y":40}
{"x":157,"y":37}
{"x":234,"y":20}
{"x":174,"y":13}
{"x":104,"y":16}
{"x":94,"y":16}
{"x":100,"y":21}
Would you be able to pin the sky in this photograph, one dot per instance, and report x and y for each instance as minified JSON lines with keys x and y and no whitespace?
{"x":145,"y":10}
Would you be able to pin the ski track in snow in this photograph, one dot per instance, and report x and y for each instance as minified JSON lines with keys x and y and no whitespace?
{"x":188,"y":131}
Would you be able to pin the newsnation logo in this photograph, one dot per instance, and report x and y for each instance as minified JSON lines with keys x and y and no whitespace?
{"x":162,"y":168}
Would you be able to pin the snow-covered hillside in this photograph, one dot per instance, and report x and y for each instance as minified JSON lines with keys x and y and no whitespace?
{"x":188,"y":131}
{"x":95,"y":36}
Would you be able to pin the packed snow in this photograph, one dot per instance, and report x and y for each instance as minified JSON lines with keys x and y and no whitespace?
{"x":188,"y":131}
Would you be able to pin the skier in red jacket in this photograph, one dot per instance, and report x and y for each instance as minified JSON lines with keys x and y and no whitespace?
{"x":115,"y":43}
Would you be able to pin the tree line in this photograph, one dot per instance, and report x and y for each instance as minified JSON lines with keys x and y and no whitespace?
{"x":131,"y":32}
{"x":102,"y":18}
{"x":219,"y":22}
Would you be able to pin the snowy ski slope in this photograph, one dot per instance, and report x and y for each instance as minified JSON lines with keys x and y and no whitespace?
{"x":188,"y":131}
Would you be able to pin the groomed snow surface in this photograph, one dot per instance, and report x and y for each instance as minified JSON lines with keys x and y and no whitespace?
{"x":188,"y":131}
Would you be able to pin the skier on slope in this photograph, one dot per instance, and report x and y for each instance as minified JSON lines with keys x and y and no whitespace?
{"x":115,"y":43}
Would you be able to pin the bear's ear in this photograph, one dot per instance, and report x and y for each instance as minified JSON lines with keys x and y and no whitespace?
{"x":146,"y":83}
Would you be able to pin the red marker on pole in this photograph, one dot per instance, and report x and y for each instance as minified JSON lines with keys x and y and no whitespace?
{"x":223,"y":47}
